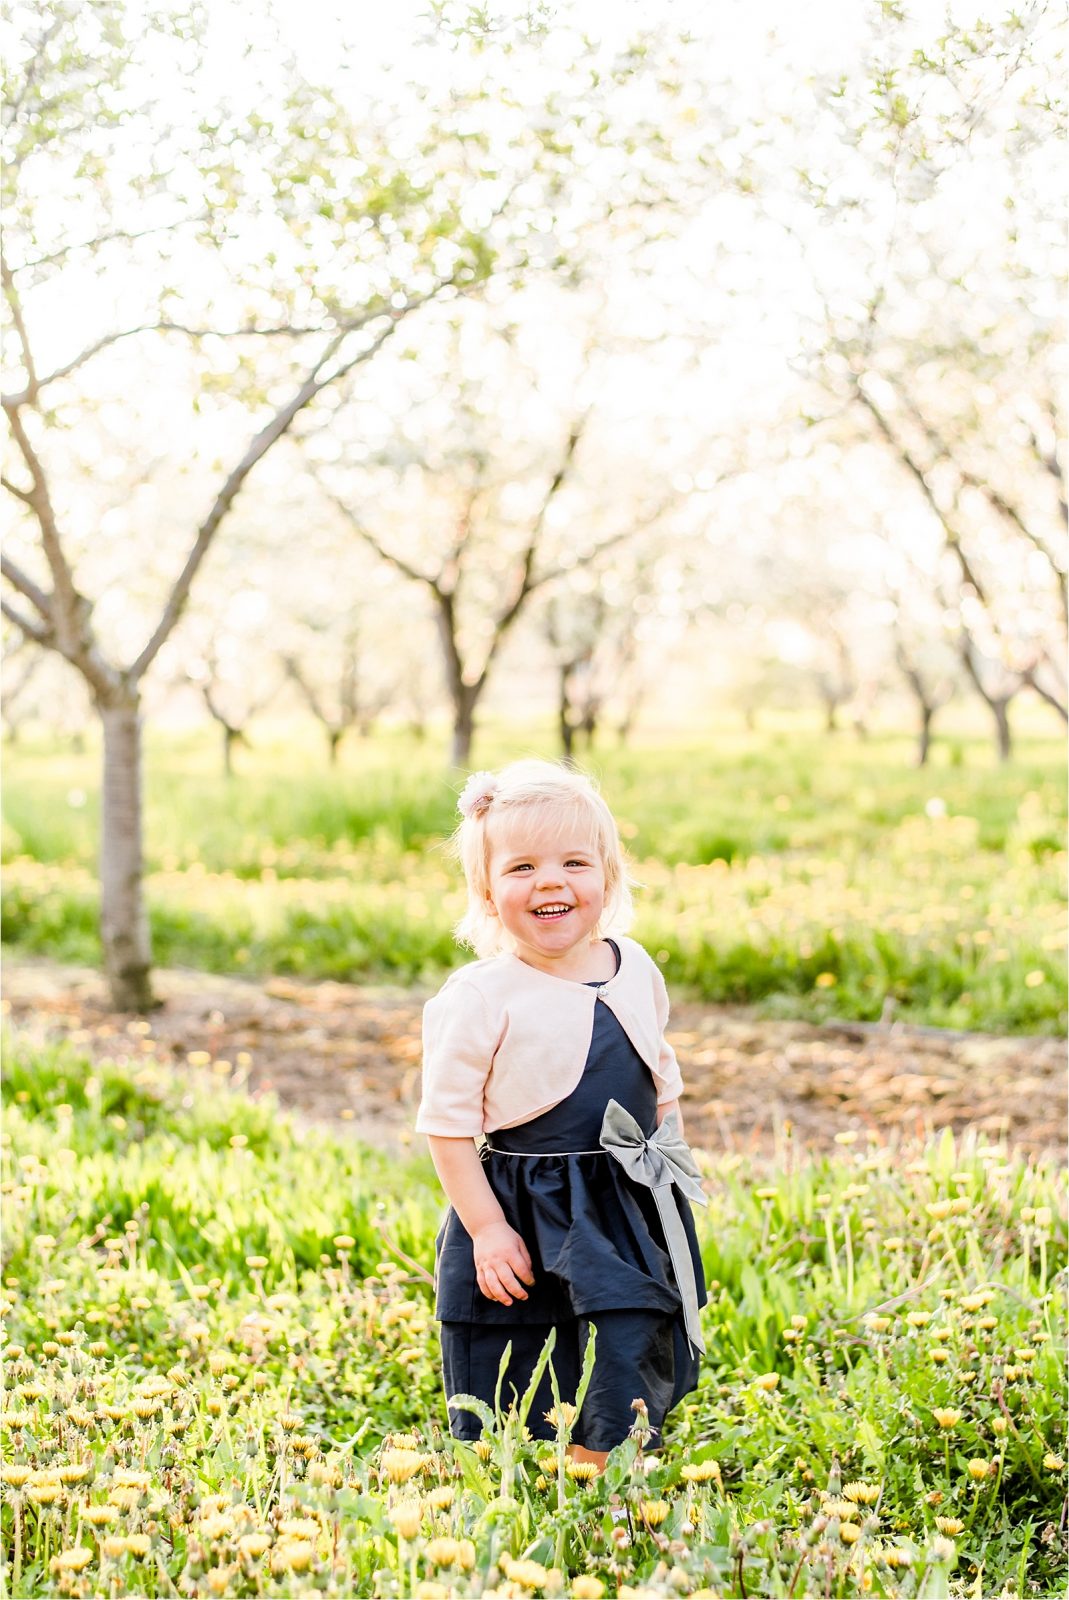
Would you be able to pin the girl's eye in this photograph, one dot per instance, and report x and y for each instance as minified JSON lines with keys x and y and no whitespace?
{"x":575,"y":863}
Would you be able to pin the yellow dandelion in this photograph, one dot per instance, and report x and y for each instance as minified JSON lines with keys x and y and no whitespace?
{"x":849,"y":1532}
{"x":1053,"y":1463}
{"x":215,"y":1527}
{"x":587,"y":1588}
{"x":441,"y":1499}
{"x":344,"y":1241}
{"x":44,"y":1494}
{"x":528,"y":1574}
{"x":979,"y":1470}
{"x":918,"y":1319}
{"x":836,"y":1507}
{"x":400,"y":1465}
{"x":442,"y":1552}
{"x":767,"y":1380}
{"x":72,"y":1560}
{"x":581,"y":1471}
{"x":825,"y":980}
{"x":254,"y":1545}
{"x":289,"y":1421}
{"x":483,"y":1449}
{"x":562,"y":1415}
{"x":138,"y":1544}
{"x":704,"y":1472}
{"x":946,"y":1418}
{"x":292,"y":1555}
{"x":406,"y":1517}
{"x":895,"y":1556}
{"x":16,"y":1476}
{"x":113,"y":1546}
{"x":866,"y":1494}
{"x":299,"y":1528}
{"x":99,"y":1516}
{"x":429,"y":1590}
{"x":949,"y":1525}
{"x":1033,"y":979}
{"x":653,"y":1512}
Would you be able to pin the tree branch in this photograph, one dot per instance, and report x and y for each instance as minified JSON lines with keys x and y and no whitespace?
{"x":30,"y":629}
{"x":909,"y":461}
{"x":25,"y":495}
{"x":26,"y":586}
{"x":11,"y":296}
{"x":1046,"y":694}
{"x":312,"y":699}
{"x":374,"y":543}
{"x":65,"y":594}
{"x":104,"y":238}
{"x":29,"y":395}
{"x":528,"y":583}
{"x":259,"y":447}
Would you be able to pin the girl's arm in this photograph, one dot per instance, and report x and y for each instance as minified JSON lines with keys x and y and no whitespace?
{"x":501,"y":1257}
{"x":662,"y":1112}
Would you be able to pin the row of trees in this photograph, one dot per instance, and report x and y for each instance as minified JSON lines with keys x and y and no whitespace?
{"x":598,"y":663}
{"x":265,"y":247}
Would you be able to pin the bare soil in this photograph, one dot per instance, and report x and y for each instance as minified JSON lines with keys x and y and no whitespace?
{"x":349,"y":1055}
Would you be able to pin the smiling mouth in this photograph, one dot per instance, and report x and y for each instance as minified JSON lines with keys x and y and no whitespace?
{"x":551,"y":913}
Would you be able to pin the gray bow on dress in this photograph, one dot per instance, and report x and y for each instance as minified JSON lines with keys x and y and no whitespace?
{"x":658,"y":1162}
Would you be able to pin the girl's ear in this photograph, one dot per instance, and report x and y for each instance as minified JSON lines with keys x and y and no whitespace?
{"x":491,"y":909}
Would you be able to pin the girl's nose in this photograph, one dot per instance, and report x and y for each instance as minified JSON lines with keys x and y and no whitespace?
{"x":549,"y":875}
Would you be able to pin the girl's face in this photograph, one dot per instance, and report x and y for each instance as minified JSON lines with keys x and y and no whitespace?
{"x":547,"y":885}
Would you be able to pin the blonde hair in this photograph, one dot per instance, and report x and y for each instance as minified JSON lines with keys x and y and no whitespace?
{"x":542,"y":787}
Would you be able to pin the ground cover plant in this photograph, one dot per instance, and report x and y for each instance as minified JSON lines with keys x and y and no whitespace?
{"x":816,"y":876}
{"x":221,"y":1371}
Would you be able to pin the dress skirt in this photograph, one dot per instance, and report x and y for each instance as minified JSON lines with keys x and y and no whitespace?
{"x":598,"y":1255}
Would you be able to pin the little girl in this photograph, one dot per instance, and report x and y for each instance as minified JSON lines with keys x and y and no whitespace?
{"x":551,"y":1049}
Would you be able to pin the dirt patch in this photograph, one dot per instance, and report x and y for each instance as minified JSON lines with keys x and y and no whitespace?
{"x":349,"y":1055}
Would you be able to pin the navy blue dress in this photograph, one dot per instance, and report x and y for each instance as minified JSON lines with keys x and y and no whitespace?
{"x":598,"y":1255}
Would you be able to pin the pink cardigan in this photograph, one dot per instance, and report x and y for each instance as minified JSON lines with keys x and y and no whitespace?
{"x":504,"y":1041}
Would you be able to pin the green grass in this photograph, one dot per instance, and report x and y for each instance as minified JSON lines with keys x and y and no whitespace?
{"x":811,"y":876}
{"x":171,"y":1251}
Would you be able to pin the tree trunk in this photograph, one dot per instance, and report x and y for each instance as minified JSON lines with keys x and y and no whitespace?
{"x":1003,"y":737}
{"x":124,"y":930}
{"x":334,"y":736}
{"x":925,"y":742}
{"x":463,"y":724}
{"x":564,"y":718}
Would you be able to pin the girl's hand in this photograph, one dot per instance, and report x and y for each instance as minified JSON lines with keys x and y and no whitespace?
{"x":501,"y":1261}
